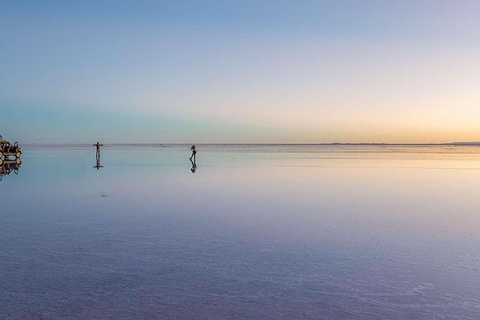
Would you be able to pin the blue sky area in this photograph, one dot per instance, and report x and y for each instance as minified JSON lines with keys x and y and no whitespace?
{"x":239,"y":71}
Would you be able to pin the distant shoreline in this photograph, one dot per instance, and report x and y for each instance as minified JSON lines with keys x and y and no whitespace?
{"x":455,"y":144}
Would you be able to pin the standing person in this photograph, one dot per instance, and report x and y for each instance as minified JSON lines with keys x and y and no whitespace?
{"x":98,"y":145}
{"x":194,"y":153}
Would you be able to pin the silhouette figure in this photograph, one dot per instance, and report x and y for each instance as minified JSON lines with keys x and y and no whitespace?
{"x":194,"y":153}
{"x":194,"y":166}
{"x":97,"y":145}
{"x":97,"y":155}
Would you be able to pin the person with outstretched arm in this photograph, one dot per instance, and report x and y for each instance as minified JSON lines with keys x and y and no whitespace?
{"x":97,"y":145}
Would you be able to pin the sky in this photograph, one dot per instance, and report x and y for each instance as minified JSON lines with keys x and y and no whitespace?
{"x":224,"y":71}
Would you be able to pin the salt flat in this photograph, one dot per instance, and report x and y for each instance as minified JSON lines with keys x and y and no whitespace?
{"x":256,"y":232}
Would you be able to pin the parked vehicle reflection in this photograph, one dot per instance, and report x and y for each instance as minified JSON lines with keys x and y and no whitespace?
{"x":9,"y":166}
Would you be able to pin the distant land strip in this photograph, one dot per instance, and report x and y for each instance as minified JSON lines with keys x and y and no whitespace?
{"x":260,"y":144}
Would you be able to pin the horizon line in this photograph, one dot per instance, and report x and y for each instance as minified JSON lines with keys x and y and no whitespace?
{"x":474,"y":143}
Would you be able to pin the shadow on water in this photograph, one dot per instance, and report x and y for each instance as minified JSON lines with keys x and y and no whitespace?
{"x":9,"y":166}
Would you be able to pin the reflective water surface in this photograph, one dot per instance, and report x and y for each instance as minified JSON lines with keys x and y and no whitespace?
{"x":248,"y":232}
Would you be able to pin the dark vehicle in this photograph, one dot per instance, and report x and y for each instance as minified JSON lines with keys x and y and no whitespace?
{"x":9,"y":166}
{"x":8,"y":150}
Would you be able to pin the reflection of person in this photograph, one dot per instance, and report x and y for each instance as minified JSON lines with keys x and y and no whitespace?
{"x":194,"y":166}
{"x":194,"y":153}
{"x":98,"y":165}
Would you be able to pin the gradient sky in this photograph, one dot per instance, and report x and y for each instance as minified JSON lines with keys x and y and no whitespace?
{"x":240,"y":71}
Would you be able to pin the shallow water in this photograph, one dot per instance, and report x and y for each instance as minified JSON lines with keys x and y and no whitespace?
{"x":257,"y":232}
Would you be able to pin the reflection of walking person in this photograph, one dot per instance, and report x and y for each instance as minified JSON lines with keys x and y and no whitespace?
{"x":194,"y":166}
{"x":194,"y":153}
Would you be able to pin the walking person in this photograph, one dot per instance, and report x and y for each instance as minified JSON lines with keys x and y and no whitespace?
{"x":194,"y":153}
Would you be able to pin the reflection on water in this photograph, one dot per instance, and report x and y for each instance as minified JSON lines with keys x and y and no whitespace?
{"x":97,"y":161}
{"x":271,"y":232}
{"x":194,"y":165}
{"x":9,"y":166}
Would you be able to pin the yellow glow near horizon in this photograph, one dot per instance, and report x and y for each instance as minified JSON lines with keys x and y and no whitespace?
{"x":403,"y":72}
